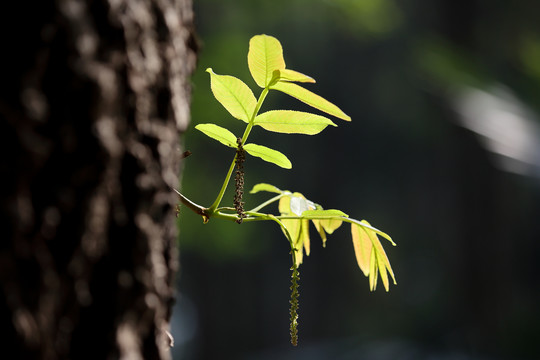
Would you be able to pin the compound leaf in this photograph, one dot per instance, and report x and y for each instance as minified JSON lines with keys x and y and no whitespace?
{"x":310,"y":98}
{"x":292,"y":122}
{"x":234,"y":95}
{"x":218,"y":133}
{"x":265,"y":56}
{"x":269,"y":155}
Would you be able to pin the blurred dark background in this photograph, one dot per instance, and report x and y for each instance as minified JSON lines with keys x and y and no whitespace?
{"x":443,"y":153}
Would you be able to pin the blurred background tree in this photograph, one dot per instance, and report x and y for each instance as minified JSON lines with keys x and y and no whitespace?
{"x":93,"y":95}
{"x":446,"y":146}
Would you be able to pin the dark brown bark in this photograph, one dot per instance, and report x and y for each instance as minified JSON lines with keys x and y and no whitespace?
{"x":93,"y":95}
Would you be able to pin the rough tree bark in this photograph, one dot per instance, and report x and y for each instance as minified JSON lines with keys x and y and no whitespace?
{"x":93,"y":95}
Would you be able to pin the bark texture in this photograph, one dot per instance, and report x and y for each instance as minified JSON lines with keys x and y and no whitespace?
{"x":93,"y":95}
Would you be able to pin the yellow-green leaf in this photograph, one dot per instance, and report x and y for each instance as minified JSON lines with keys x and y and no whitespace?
{"x":321,"y":214}
{"x":234,"y":95}
{"x":320,"y":230}
{"x":373,"y":271}
{"x":330,"y":225}
{"x":310,"y":98}
{"x":379,"y":260}
{"x":218,"y":133}
{"x":293,"y":226}
{"x":362,"y":247}
{"x":294,"y":76}
{"x":292,"y":122}
{"x":269,"y":155}
{"x":304,"y":235}
{"x":264,"y":57}
{"x":265,"y":187}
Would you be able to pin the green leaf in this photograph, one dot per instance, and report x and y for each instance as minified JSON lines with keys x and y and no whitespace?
{"x":312,"y":99}
{"x":304,"y":236}
{"x":265,"y":187}
{"x":218,"y":133}
{"x":379,"y":263}
{"x":292,"y":122}
{"x":320,"y":230}
{"x":294,"y":76}
{"x":265,"y":55}
{"x":234,"y":95}
{"x":330,"y":225}
{"x":362,"y":247}
{"x":269,"y":155}
{"x":373,"y":271}
{"x":293,"y":226}
{"x":319,"y":214}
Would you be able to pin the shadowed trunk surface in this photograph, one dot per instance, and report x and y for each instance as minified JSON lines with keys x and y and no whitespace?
{"x":93,"y":96}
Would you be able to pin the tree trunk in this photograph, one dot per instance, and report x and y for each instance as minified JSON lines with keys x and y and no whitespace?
{"x":93,"y":95}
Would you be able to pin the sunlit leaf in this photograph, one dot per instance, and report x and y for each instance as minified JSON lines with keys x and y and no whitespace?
{"x":294,"y":76}
{"x":366,"y":225}
{"x":330,"y":225}
{"x":218,"y":133}
{"x":304,"y":235}
{"x":293,"y":226}
{"x":320,"y":230}
{"x":362,"y":247}
{"x":269,"y":155}
{"x":265,"y":187}
{"x":320,"y":213}
{"x":234,"y":95}
{"x":292,"y":122}
{"x":383,"y":264}
{"x":310,"y":98}
{"x":373,"y":271}
{"x":264,"y":57}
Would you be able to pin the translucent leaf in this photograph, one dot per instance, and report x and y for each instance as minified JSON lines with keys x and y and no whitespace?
{"x":320,"y":230}
{"x":292,"y":122}
{"x":362,"y":247}
{"x":284,"y":206}
{"x":293,"y":226}
{"x":234,"y":95}
{"x":269,"y":155}
{"x":265,"y":187}
{"x":265,"y":55}
{"x":330,"y":225}
{"x":320,"y":213}
{"x":294,"y":76}
{"x":383,"y":264}
{"x":304,"y":235}
{"x":218,"y":133}
{"x":373,"y":271}
{"x":366,"y":225}
{"x":312,"y":99}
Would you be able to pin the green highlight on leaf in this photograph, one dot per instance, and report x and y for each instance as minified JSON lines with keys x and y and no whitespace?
{"x":218,"y":133}
{"x":294,"y":76}
{"x":310,"y":98}
{"x":292,"y":122}
{"x":320,"y":213}
{"x":265,"y":187}
{"x":265,"y":55}
{"x":234,"y":95}
{"x":267,"y":154}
